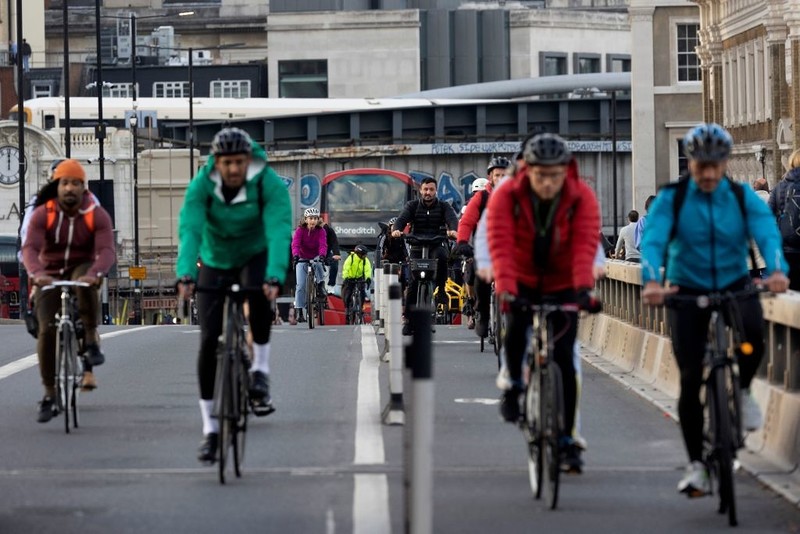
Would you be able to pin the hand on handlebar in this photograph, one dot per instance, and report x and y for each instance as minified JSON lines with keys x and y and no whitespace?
{"x":465,"y":249}
{"x":588,"y":302}
{"x":654,"y":293}
{"x":43,"y":280}
{"x":91,"y":280}
{"x":452,"y":234}
{"x":397,"y":233}
{"x":777,"y":282}
{"x":185,"y":287}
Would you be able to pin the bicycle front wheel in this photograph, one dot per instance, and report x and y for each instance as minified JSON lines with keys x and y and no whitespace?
{"x":724,"y":446}
{"x":243,"y":402}
{"x":310,"y":297}
{"x":533,"y":432}
{"x":552,"y":421}
{"x":65,"y":381}
{"x":224,"y":402}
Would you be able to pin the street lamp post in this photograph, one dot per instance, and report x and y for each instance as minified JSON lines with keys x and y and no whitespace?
{"x":191,"y":116}
{"x":100,"y":135}
{"x":67,"y":131}
{"x":761,"y":157}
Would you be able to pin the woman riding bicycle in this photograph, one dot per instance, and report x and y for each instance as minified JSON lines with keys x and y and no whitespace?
{"x":309,"y":243}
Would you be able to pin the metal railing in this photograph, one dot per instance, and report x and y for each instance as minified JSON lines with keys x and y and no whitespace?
{"x":621,"y":292}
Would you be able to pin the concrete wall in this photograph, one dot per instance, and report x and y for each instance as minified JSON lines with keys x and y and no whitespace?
{"x":369,"y":54}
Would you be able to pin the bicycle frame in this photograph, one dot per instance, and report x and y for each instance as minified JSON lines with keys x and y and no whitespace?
{"x":355,"y":306}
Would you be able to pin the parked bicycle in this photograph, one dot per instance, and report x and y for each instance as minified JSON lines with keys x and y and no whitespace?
{"x":69,"y":339}
{"x":723,"y":424}
{"x":315,"y":302}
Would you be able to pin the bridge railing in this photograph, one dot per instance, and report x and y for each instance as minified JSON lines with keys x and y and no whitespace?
{"x":621,"y":292}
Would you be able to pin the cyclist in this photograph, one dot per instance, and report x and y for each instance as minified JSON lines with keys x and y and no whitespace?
{"x":478,"y":290}
{"x":543,"y":233}
{"x":309,"y":243}
{"x":237,"y":218}
{"x":428,"y":217}
{"x":356,"y":267}
{"x":333,"y":254}
{"x":69,"y":237}
{"x":478,"y":189}
{"x":706,"y":250}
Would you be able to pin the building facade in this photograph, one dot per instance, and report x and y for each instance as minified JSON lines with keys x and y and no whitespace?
{"x":750,"y":60}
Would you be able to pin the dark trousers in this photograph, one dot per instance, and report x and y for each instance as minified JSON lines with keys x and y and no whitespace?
{"x":47,"y":304}
{"x":333,"y":269}
{"x":689,"y":334}
{"x":210,"y":308}
{"x":440,"y":253}
{"x":793,"y":259}
{"x":483,"y":299}
{"x":565,"y":327}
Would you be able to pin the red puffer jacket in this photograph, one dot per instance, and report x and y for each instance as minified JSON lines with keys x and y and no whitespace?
{"x":576,"y":227}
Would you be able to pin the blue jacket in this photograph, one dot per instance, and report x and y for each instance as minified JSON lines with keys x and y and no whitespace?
{"x":710,"y":248}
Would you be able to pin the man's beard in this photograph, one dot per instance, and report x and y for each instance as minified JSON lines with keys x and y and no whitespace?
{"x":70,"y":201}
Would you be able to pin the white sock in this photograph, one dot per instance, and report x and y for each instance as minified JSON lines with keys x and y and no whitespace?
{"x":261,"y":357}
{"x":210,"y":424}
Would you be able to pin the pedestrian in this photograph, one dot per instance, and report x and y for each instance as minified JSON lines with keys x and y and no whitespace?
{"x":784,"y":201}
{"x":26,"y":55}
{"x":12,"y":53}
{"x":333,"y":256}
{"x":625,"y":240}
{"x":639,"y":230}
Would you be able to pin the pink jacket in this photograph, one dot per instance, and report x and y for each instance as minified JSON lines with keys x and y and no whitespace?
{"x":309,"y":243}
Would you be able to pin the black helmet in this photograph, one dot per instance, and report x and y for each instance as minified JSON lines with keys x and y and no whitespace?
{"x":546,"y":149}
{"x":230,"y":141}
{"x":360,"y":249}
{"x":498,"y":162}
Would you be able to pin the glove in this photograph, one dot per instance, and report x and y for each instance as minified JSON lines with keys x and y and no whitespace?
{"x":588,"y":302}
{"x":465,"y":249}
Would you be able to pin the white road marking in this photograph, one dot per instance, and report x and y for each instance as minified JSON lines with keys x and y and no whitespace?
{"x":29,"y":361}
{"x":488,"y":402}
{"x":330,"y":522}
{"x":371,"y":492}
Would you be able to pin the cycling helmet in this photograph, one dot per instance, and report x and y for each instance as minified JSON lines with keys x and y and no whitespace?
{"x":230,"y":141}
{"x":707,"y":142}
{"x":498,"y":162}
{"x":311,"y":212}
{"x":479,"y":185}
{"x":546,"y":149}
{"x":53,"y":165}
{"x":360,"y":249}
{"x":392,"y":221}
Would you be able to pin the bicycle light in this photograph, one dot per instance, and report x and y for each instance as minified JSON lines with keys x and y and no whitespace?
{"x":422,"y":274}
{"x":746,"y":348}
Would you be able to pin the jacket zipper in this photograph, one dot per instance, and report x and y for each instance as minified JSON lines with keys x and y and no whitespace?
{"x":713,"y":245}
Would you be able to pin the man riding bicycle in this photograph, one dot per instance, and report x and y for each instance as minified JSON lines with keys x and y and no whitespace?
{"x":479,"y":291}
{"x":428,"y":217}
{"x":706,"y":250}
{"x":543,"y":232}
{"x":356,"y":267}
{"x":69,"y":237}
{"x":237,"y":218}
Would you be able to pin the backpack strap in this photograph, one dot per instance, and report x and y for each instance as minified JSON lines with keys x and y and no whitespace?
{"x":50,"y":208}
{"x":484,"y":201}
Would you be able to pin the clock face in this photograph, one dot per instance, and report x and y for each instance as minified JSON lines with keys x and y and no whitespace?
{"x":9,"y":165}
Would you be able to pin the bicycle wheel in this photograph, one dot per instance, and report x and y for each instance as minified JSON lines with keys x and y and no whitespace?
{"x":224,"y":401}
{"x":321,"y":309}
{"x":77,"y":375}
{"x":65,"y":379}
{"x":552,"y":421}
{"x":534,"y":434}
{"x":243,"y":401}
{"x":310,"y":297}
{"x":724,"y":446}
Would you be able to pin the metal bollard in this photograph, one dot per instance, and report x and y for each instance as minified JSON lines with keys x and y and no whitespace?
{"x":384,"y":300}
{"x":393,"y":413}
{"x":419,"y":470}
{"x":377,"y":297}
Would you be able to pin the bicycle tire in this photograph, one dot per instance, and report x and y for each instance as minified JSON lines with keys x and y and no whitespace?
{"x":482,"y":343}
{"x":422,"y":296}
{"x":552,"y":424}
{"x":223,"y":410}
{"x":310,"y":294}
{"x":243,"y":402}
{"x":534,"y":434}
{"x":724,"y":445}
{"x":66,"y":379}
{"x":321,"y":309}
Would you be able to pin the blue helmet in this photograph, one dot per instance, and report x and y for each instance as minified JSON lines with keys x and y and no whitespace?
{"x":707,"y":142}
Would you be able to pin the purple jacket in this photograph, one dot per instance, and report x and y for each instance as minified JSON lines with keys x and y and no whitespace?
{"x":308,"y":244}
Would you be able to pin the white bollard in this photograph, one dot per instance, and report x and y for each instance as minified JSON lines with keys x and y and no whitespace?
{"x":393,"y":413}
{"x":376,"y":294}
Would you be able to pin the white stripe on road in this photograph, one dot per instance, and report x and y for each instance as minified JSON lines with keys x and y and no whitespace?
{"x":29,"y":361}
{"x":371,"y":492}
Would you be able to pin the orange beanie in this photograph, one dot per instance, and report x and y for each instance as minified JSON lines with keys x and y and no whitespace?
{"x":69,"y":168}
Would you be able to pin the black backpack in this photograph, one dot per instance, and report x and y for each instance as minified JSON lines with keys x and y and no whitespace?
{"x":789,"y":216}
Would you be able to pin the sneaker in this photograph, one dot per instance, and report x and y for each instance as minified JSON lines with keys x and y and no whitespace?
{"x":47,"y":409}
{"x":262,"y":407}
{"x":503,"y":380}
{"x":93,"y":355}
{"x":471,"y":323}
{"x":580,"y":441}
{"x":88,"y":382}
{"x":751,"y":412}
{"x":259,"y":385}
{"x":695,"y":482}
{"x":509,"y":405}
{"x":571,"y":462}
{"x":300,"y":317}
{"x":207,"y":453}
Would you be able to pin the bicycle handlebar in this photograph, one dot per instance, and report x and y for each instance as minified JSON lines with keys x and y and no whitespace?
{"x":424,"y":241}
{"x":64,"y":283}
{"x":713,"y":299}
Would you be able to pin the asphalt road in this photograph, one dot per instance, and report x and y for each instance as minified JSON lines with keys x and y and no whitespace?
{"x":322,"y":462}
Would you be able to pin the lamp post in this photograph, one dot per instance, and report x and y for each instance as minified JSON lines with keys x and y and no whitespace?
{"x":67,"y":131}
{"x":761,"y":157}
{"x":23,"y":276}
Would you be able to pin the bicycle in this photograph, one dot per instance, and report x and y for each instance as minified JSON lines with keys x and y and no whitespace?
{"x":722,"y":399}
{"x":424,"y":268}
{"x":232,"y":383}
{"x":315,"y":303}
{"x":355,"y":304}
{"x":497,"y":328}
{"x":69,"y":335}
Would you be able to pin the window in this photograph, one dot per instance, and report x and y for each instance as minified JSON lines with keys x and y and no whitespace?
{"x":303,"y":79}
{"x":618,"y":63}
{"x":171,"y":89}
{"x":230,"y":89}
{"x":688,"y":62}
{"x":120,"y":90}
{"x":683,"y":161}
{"x":552,"y":63}
{"x":40,"y":90}
{"x":586,"y":63}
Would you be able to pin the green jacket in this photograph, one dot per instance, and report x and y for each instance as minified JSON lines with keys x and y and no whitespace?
{"x":354,"y":268}
{"x":226,"y":236}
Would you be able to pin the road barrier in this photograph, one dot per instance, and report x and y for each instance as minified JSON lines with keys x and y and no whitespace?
{"x":393,"y":413}
{"x":633,"y":336}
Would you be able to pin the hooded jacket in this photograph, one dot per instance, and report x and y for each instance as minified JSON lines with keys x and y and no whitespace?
{"x":227,"y":235}
{"x":574,"y":238}
{"x":308,"y":243}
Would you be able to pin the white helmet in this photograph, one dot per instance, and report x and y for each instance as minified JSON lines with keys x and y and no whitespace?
{"x":311,"y":212}
{"x":479,"y":184}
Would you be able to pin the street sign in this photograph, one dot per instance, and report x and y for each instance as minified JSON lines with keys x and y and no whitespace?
{"x":137,"y":273}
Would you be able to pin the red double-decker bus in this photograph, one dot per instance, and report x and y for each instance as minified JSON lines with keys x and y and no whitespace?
{"x":9,"y":277}
{"x":354,"y":201}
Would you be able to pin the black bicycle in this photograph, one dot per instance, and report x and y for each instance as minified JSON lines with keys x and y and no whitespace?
{"x":424,"y":268}
{"x":723,"y":424}
{"x":315,"y":303}
{"x":355,"y":304}
{"x":69,"y":336}
{"x":232,"y":385}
